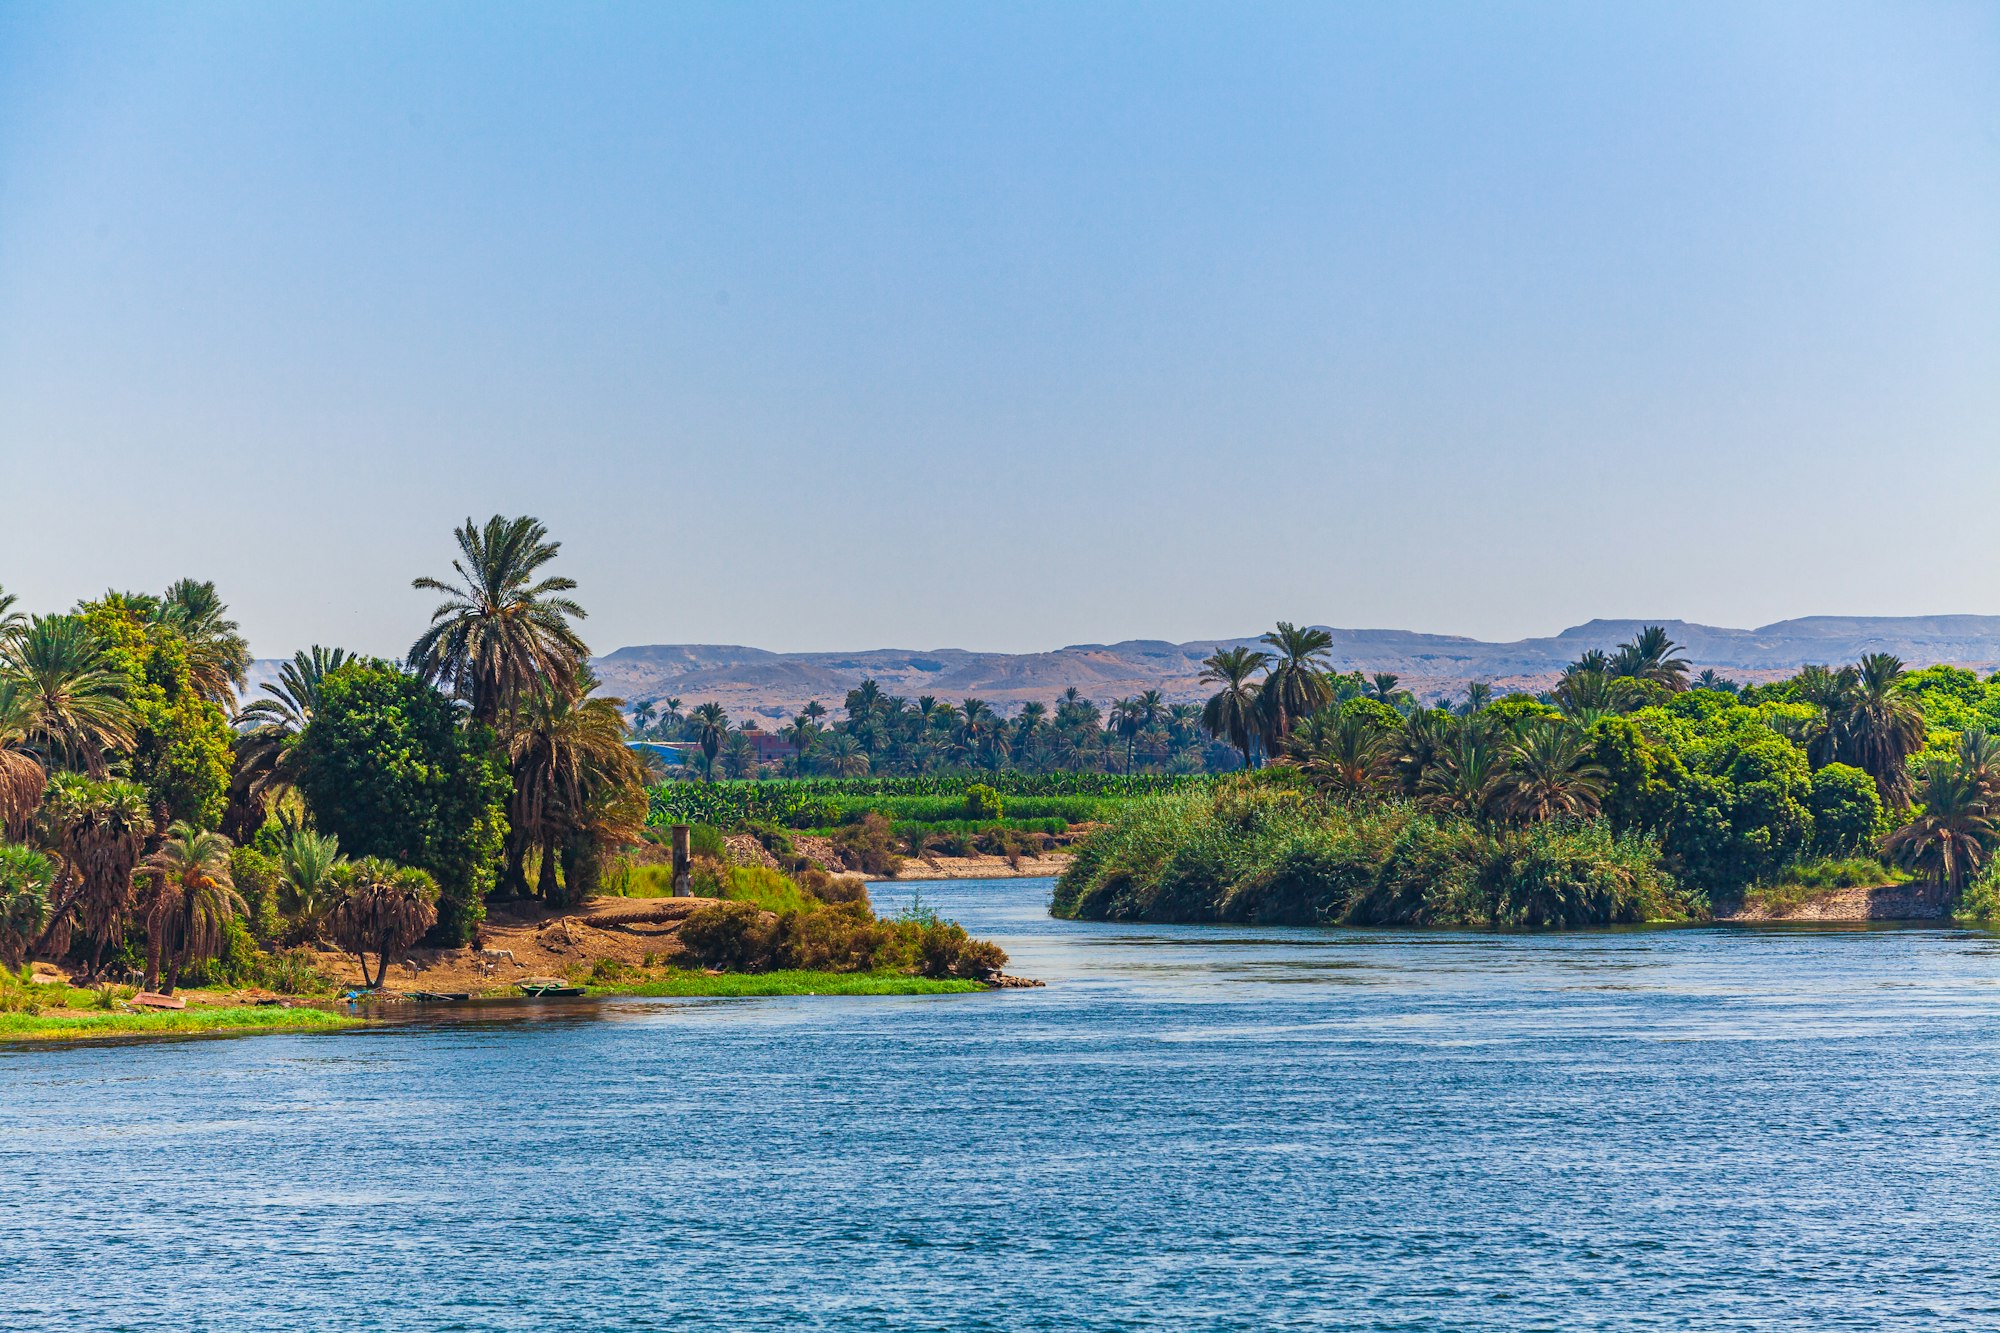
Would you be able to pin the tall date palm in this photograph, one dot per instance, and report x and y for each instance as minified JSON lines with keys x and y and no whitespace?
{"x":500,"y":628}
{"x":1231,"y":712}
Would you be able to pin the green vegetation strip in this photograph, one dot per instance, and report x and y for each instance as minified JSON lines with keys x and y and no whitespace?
{"x":181,"y":1022}
{"x":699,"y":984}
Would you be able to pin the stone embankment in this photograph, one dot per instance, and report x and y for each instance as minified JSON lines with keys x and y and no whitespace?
{"x":1882,"y":902}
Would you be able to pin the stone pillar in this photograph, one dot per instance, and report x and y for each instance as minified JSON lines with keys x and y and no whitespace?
{"x":683,"y":860}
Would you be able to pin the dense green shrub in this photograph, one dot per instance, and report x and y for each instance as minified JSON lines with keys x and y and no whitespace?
{"x":870,"y":843}
{"x":982,"y":802}
{"x":1256,"y":852}
{"x":845,"y":937}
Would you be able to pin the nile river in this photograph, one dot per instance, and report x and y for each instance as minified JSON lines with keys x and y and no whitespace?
{"x":1190,"y":1128}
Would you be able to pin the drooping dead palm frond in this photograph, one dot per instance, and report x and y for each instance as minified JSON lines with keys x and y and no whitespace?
{"x":188,"y":902}
{"x":100,"y":830}
{"x":380,"y":908}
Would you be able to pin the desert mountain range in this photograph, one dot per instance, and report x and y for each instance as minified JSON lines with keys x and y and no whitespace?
{"x":756,"y":682}
{"x":753,"y":681}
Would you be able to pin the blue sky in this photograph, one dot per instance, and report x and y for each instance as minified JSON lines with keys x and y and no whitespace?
{"x":1006,"y":326}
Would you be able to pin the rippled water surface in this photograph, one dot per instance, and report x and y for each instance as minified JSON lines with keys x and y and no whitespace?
{"x":1189,"y":1128}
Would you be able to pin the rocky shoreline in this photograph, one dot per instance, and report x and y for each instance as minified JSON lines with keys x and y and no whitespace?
{"x":1882,"y":902}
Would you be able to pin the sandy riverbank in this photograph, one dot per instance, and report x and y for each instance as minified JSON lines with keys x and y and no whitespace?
{"x":975,"y":867}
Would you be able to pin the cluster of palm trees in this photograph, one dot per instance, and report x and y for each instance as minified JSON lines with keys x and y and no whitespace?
{"x":1955,"y":827}
{"x":74,"y":799}
{"x":885,"y":734}
{"x":504,"y":643}
{"x":1483,"y":765}
{"x":71,"y":728}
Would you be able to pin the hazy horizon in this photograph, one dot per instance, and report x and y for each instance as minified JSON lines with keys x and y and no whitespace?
{"x":1006,"y":328}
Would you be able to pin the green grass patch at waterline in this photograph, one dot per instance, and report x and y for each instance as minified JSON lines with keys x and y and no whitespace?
{"x":169,"y":1023}
{"x":678,"y":983}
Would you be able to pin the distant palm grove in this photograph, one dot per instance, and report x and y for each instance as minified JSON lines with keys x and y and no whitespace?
{"x":153,"y":821}
{"x":1634,"y":790}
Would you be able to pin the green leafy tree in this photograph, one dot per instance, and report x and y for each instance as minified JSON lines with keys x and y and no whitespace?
{"x":1846,"y":810}
{"x":390,"y":767}
{"x":184,"y":749}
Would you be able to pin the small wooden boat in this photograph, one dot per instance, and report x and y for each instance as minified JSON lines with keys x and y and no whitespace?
{"x":549,"y":990}
{"x":438,"y":997}
{"x":146,"y":999}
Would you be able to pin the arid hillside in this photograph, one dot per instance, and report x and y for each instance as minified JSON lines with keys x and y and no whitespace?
{"x":754,"y":681}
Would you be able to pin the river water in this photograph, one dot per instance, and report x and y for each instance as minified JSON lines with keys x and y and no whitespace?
{"x":1189,"y":1128}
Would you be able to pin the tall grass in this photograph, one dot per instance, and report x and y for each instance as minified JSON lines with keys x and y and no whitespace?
{"x":1261,"y":854}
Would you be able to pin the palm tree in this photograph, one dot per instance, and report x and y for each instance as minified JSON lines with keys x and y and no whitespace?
{"x":1465,"y":779}
{"x":218,"y":657}
{"x":100,"y":830}
{"x":1709,"y":680}
{"x":12,"y":622}
{"x":642,"y":717}
{"x":1477,"y":695}
{"x":801,"y":734}
{"x":1231,"y":713}
{"x":1585,"y":696}
{"x":1124,"y":722}
{"x":1550,"y":774}
{"x":1979,"y":755}
{"x":309,"y":867}
{"x":1382,"y":688}
{"x":814,"y":709}
{"x":26,"y":876}
{"x":22,"y":777}
{"x":69,"y":706}
{"x":739,"y":755}
{"x":269,"y":727}
{"x":845,"y":757}
{"x":1952,"y":837}
{"x":189,"y":902}
{"x":1343,"y":754}
{"x":710,"y":724}
{"x":499,"y":629}
{"x":1833,"y":694}
{"x":1427,"y":733}
{"x":381,"y":908}
{"x":1596,"y":659}
{"x":1296,"y":686}
{"x":1652,"y":656}
{"x":565,"y":746}
{"x":1882,"y":727}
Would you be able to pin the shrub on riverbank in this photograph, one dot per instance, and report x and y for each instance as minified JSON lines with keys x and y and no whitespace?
{"x":834,"y":937}
{"x":1273,"y":854}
